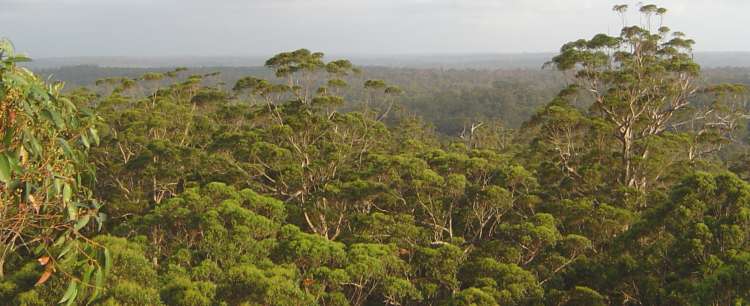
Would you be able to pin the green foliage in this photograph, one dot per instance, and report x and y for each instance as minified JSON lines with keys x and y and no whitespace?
{"x":313,"y":188}
{"x":132,"y":280}
{"x":508,"y":284}
{"x":46,"y":207}
{"x":641,"y":84}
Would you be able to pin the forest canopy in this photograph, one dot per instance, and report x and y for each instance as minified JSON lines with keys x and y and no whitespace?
{"x":315,"y":186}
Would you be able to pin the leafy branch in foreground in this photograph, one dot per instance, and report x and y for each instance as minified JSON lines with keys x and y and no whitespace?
{"x":45,"y":204}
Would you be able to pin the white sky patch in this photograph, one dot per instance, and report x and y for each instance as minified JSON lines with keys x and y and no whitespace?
{"x":47,"y":28}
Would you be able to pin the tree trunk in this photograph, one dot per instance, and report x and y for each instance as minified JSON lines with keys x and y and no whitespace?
{"x":627,"y":155}
{"x":2,"y":260}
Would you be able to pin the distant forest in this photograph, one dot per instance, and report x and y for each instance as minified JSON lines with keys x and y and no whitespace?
{"x":503,"y":61}
{"x":450,"y":99}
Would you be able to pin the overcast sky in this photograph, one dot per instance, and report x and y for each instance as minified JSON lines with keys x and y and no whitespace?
{"x":58,"y":28}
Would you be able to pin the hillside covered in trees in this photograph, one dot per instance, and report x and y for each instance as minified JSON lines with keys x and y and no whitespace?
{"x":506,"y":96}
{"x":619,"y":179}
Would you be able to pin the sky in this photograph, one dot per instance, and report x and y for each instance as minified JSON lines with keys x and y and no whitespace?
{"x":67,"y":28}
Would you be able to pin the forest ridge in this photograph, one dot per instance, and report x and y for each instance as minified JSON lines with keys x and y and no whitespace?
{"x":315,"y":182}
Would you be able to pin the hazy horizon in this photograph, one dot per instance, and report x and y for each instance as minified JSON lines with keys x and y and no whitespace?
{"x":192,"y":28}
{"x":448,"y":61}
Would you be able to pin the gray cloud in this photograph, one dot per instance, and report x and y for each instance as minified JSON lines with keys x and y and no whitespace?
{"x":46,"y":28}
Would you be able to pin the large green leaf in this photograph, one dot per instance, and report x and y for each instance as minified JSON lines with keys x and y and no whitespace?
{"x":5,"y":172}
{"x":8,"y":136}
{"x":85,"y":141}
{"x":19,"y":59}
{"x":70,"y":294}
{"x":82,"y":222}
{"x":98,"y":284}
{"x":107,"y":261}
{"x":94,"y":135}
{"x":54,"y":117}
{"x":67,"y":193}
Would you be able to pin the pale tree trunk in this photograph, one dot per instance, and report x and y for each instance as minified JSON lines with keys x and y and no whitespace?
{"x":5,"y":250}
{"x":627,"y":147}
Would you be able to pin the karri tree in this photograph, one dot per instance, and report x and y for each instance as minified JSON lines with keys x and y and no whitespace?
{"x":638,"y":82}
